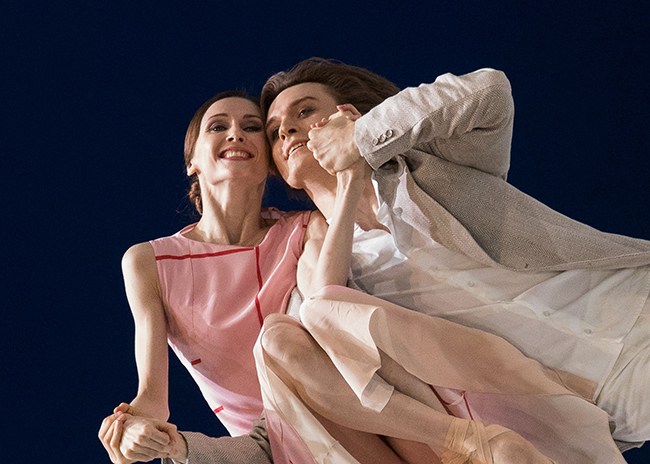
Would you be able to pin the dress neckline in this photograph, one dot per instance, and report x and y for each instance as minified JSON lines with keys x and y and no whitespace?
{"x":267,"y":213}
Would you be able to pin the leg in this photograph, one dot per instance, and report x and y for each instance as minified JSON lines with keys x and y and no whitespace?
{"x":407,"y":383}
{"x":303,"y":365}
{"x":289,"y":347}
{"x":297,"y":358}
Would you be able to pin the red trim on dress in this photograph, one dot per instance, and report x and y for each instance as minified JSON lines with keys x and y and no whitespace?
{"x":218,"y":410}
{"x":203,"y":255}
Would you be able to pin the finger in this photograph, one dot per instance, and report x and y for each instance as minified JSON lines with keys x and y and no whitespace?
{"x":116,"y":439}
{"x":108,"y":441}
{"x":349,"y":108}
{"x":137,"y":445}
{"x":170,"y":430}
{"x":106,"y":424}
{"x":143,"y":438}
{"x":137,"y":456}
{"x":156,"y":435}
{"x":125,"y":408}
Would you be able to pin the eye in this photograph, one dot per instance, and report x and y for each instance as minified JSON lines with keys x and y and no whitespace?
{"x":253,"y":128}
{"x":272,"y":134}
{"x":217,"y":127}
{"x":305,"y":111}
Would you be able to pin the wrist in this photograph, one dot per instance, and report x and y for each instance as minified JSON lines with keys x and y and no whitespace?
{"x":180,"y":456}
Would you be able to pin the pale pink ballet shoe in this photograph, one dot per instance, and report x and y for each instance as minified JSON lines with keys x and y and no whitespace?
{"x":474,"y":449}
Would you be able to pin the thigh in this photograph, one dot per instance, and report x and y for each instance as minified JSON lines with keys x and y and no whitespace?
{"x":367,"y":448}
{"x":626,"y":393}
{"x":412,"y":452}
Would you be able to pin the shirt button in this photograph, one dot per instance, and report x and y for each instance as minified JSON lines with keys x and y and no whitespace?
{"x":547,"y":313}
{"x":589,"y":331}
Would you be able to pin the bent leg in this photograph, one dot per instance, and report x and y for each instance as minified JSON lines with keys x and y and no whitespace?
{"x":296,"y":358}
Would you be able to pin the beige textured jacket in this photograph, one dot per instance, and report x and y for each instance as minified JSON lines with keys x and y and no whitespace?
{"x":441,"y":153}
{"x":253,"y":448}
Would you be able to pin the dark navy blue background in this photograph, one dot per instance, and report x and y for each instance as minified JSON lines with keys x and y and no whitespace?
{"x":95,"y":100}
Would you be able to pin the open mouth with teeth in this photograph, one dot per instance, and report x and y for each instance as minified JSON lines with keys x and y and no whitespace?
{"x":235,"y":154}
{"x":296,"y":146}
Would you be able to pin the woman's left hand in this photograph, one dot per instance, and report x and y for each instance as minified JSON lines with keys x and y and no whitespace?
{"x":332,"y":140}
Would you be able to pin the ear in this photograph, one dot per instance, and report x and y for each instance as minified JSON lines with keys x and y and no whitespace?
{"x":191,"y":170}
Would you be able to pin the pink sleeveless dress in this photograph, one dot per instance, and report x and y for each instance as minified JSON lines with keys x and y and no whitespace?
{"x":216,"y":298}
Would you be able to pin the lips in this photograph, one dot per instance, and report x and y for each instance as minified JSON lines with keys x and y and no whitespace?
{"x":294,"y":146}
{"x":235,"y":154}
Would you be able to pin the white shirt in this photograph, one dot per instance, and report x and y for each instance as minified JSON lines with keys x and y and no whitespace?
{"x":572,"y":320}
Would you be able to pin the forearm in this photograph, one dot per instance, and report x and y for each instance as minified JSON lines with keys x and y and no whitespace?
{"x":465,"y":119}
{"x":202,"y":449}
{"x":333,"y":265}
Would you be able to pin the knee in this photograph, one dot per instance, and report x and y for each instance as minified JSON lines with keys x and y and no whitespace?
{"x":285,"y":341}
{"x":314,"y":312}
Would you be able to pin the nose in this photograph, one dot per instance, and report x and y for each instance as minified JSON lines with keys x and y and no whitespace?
{"x":236,"y":134}
{"x":286,"y":129}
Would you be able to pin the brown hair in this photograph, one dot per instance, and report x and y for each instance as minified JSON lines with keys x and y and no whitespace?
{"x":192,"y":135}
{"x":347,"y":84}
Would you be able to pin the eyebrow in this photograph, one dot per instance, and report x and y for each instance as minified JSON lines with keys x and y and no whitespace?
{"x":295,"y":103}
{"x":246,"y":116}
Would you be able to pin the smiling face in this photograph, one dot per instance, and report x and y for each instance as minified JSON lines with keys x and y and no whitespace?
{"x":231,"y":144}
{"x":288,"y":123}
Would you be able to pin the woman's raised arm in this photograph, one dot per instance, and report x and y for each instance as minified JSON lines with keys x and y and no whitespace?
{"x":326,"y":258}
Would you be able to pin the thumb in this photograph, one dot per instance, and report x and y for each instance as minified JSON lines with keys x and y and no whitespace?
{"x":125,"y":408}
{"x":353,"y":113}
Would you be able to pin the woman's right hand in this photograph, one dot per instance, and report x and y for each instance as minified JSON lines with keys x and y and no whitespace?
{"x":129,"y":439}
{"x":110,"y":434}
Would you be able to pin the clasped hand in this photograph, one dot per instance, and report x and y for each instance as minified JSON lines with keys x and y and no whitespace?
{"x":128,"y":438}
{"x":332,"y":140}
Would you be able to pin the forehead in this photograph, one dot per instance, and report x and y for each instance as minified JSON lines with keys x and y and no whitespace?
{"x":293,"y":95}
{"x":233,"y":106}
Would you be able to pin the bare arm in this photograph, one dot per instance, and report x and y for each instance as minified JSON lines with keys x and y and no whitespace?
{"x":326,"y":258}
{"x":144,"y":295}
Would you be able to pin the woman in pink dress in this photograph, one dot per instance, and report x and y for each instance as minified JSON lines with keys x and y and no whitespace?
{"x":207,"y":289}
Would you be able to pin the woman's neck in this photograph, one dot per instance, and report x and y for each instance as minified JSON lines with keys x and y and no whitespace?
{"x":231,"y":216}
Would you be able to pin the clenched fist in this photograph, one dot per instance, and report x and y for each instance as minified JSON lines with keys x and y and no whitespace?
{"x":332,"y":140}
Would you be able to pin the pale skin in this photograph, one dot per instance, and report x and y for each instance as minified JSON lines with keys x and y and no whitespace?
{"x":231,"y":161}
{"x":306,"y":127}
{"x":351,"y":192}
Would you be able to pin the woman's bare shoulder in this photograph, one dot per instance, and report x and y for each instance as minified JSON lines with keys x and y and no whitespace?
{"x":140,"y":258}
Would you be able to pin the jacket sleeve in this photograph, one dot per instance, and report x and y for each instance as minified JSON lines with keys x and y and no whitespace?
{"x":465,"y":119}
{"x":253,"y":448}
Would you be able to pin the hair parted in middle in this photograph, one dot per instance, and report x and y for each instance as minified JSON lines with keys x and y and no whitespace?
{"x":346,"y":83}
{"x":192,"y":135}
